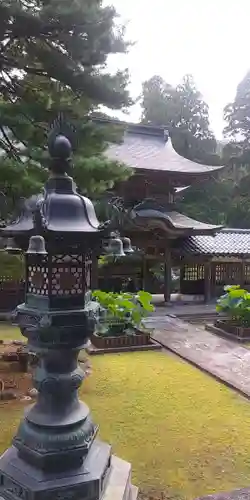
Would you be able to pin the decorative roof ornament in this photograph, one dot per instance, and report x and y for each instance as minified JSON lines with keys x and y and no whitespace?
{"x":61,"y":144}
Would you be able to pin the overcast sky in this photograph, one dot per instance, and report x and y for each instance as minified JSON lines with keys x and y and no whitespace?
{"x":207,"y":38}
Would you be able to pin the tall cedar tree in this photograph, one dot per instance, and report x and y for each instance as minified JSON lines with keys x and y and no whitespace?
{"x":53,"y":56}
{"x":158,"y":103}
{"x":184,"y":113}
{"x":237,"y":114}
{"x":237,"y":117}
{"x":226,"y":200}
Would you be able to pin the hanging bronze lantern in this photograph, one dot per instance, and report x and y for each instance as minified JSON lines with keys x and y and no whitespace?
{"x":127,"y":248}
{"x":115,"y":247}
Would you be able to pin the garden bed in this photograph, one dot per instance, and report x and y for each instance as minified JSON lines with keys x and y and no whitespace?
{"x":138,"y":339}
{"x":123,"y":343}
{"x":227,"y":328}
{"x":120,"y":327}
{"x":235,"y":305}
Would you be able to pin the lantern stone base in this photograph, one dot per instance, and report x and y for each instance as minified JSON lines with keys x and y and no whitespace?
{"x":19,"y":480}
{"x":101,"y":476}
{"x":119,"y":483}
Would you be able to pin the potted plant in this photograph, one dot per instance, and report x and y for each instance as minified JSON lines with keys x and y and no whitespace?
{"x":234,"y":305}
{"x":121,"y":321}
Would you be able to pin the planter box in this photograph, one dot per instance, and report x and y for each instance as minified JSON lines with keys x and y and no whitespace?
{"x":140,"y":339}
{"x":230,"y":327}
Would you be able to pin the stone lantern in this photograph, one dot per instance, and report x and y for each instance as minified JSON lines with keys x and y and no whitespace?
{"x":55,"y":454}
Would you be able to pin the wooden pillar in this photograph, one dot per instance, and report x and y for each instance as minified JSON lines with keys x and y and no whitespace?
{"x":182,"y":276}
{"x":167,"y":275}
{"x":94,"y":273}
{"x":207,"y":282}
{"x":144,"y":273}
{"x":242,"y":277}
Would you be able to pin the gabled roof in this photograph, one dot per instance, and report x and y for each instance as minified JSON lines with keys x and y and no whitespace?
{"x":149,"y":148}
{"x":228,"y":242}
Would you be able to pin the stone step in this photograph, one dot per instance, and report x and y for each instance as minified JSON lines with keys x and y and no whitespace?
{"x":119,"y":483}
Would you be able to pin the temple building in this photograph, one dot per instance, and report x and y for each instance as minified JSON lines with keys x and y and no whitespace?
{"x":208,"y":256}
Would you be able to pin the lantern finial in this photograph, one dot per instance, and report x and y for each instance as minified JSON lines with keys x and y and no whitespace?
{"x":61,"y":142}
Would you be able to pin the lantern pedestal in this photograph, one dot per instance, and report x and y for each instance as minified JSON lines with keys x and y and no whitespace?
{"x":101,"y":476}
{"x":55,"y":454}
{"x":22,"y":480}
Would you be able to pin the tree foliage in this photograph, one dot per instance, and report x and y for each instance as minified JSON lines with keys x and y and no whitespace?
{"x":53,"y":58}
{"x":158,"y":105}
{"x":184,"y":113}
{"x":237,"y":153}
{"x":237,"y":114}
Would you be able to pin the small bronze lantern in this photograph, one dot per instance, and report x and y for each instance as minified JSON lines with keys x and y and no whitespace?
{"x":55,"y":454}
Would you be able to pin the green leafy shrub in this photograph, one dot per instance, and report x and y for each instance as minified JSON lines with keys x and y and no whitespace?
{"x":11,"y":266}
{"x":235,"y":303}
{"x":122,"y":312}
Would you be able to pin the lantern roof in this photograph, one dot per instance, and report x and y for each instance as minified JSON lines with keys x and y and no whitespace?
{"x":60,"y":208}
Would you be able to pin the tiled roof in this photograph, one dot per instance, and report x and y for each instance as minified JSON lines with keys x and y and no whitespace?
{"x":226,"y":242}
{"x":149,"y":148}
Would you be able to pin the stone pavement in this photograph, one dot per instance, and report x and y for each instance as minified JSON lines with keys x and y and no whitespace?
{"x":184,"y":309}
{"x":224,"y":359}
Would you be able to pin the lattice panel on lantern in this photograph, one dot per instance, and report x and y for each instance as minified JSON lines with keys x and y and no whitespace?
{"x":88,"y":266}
{"x":193,"y":273}
{"x":67,"y":275}
{"x":65,"y":259}
{"x":38,"y":279}
{"x":67,"y":280}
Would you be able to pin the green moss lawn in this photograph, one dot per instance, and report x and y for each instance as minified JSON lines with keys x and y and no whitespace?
{"x":185,"y":434}
{"x":9,"y":332}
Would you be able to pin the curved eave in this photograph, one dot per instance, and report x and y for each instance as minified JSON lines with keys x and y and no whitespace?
{"x":151,"y":153}
{"x":176,"y":223}
{"x":20,"y":228}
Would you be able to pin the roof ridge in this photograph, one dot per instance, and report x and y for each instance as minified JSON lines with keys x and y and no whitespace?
{"x":139,"y":128}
